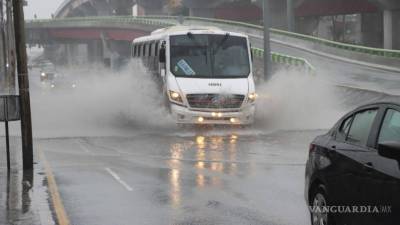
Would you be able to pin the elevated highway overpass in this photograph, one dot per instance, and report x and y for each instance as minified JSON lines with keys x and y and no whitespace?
{"x":343,"y":64}
{"x":379,"y":19}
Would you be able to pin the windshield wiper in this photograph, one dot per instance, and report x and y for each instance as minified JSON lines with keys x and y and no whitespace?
{"x":220,"y":44}
{"x":191,"y":37}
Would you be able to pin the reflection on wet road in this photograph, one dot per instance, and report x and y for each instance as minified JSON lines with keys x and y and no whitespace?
{"x":206,"y":178}
{"x":22,"y":201}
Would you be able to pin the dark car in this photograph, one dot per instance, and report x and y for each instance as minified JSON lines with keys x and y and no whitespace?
{"x":47,"y":71}
{"x":62,"y":82}
{"x":353,"y":171}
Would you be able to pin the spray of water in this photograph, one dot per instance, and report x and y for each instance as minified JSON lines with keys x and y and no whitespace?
{"x":130,"y":101}
{"x":295,"y":101}
{"x":103,"y":103}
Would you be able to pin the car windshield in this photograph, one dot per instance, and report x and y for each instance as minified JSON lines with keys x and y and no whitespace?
{"x":202,"y":55}
{"x":48,"y":67}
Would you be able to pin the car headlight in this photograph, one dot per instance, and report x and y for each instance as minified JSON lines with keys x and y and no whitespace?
{"x":52,"y":85}
{"x":175,"y":97}
{"x":43,"y":74}
{"x":73,"y":85}
{"x":252,"y":97}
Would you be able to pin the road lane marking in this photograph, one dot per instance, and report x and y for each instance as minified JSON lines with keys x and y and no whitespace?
{"x":118,"y":179}
{"x":62,"y":217}
{"x":83,"y":147}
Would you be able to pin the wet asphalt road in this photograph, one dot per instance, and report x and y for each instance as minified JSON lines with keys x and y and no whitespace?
{"x":182,"y":177}
{"x":24,"y":198}
{"x":224,"y":177}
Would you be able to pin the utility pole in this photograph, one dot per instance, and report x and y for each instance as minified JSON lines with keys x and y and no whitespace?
{"x":267,"y":46}
{"x":11,"y":49}
{"x":290,"y":15}
{"x":3,"y":46}
{"x":23,"y":82}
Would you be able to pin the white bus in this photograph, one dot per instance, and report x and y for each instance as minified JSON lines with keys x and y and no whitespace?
{"x":206,"y":74}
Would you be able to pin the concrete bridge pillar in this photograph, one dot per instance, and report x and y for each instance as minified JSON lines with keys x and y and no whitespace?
{"x":70,"y":50}
{"x":371,"y":29}
{"x":307,"y":25}
{"x":105,"y":52}
{"x":95,"y":51}
{"x":76,"y":53}
{"x":391,"y":29}
{"x":290,"y":15}
{"x":388,"y":29}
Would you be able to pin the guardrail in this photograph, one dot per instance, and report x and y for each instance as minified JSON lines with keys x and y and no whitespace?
{"x":163,"y":21}
{"x":129,"y":20}
{"x":285,"y":60}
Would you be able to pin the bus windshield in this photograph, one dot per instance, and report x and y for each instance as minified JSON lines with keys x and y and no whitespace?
{"x":204,"y":55}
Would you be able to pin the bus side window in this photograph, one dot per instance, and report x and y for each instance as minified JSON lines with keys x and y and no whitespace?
{"x":162,"y":57}
{"x":139,"y":50}
{"x":151,"y":49}
{"x":156,"y":49}
{"x":134,"y":50}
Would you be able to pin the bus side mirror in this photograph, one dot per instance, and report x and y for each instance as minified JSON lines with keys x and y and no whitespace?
{"x":162,"y":56}
{"x":251,"y":53}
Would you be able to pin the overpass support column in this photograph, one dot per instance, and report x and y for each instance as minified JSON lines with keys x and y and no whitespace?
{"x":391,"y":29}
{"x":371,"y":29}
{"x":388,"y":29}
{"x":95,"y":51}
{"x":290,"y":15}
{"x":70,"y":49}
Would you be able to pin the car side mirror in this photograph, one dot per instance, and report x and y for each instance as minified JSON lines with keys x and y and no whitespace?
{"x":389,"y":149}
{"x":162,"y":56}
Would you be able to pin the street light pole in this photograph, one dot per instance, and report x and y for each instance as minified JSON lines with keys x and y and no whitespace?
{"x":267,"y":46}
{"x":23,"y":82}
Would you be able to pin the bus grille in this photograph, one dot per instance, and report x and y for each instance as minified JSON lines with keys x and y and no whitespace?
{"x":215,"y":101}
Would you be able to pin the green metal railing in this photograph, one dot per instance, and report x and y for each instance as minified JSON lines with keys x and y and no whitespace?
{"x":171,"y":20}
{"x":285,"y":60}
{"x":73,"y":20}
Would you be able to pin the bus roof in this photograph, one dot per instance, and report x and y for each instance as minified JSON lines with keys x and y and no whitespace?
{"x":179,"y":30}
{"x":174,"y":29}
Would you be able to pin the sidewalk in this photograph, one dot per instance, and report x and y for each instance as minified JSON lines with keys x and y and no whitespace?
{"x":24,"y":199}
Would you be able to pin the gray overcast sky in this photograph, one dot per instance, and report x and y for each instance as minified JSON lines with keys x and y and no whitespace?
{"x":42,"y":8}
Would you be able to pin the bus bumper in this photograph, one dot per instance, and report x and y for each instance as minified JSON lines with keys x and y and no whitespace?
{"x":183,"y":115}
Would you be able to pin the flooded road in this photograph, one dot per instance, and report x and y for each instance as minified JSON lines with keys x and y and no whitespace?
{"x":206,"y":178}
{"x":24,"y":199}
{"x":108,"y":153}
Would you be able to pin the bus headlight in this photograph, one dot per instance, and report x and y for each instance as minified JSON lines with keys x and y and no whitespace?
{"x":252,"y":97}
{"x":175,"y":96}
{"x":43,"y":74}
